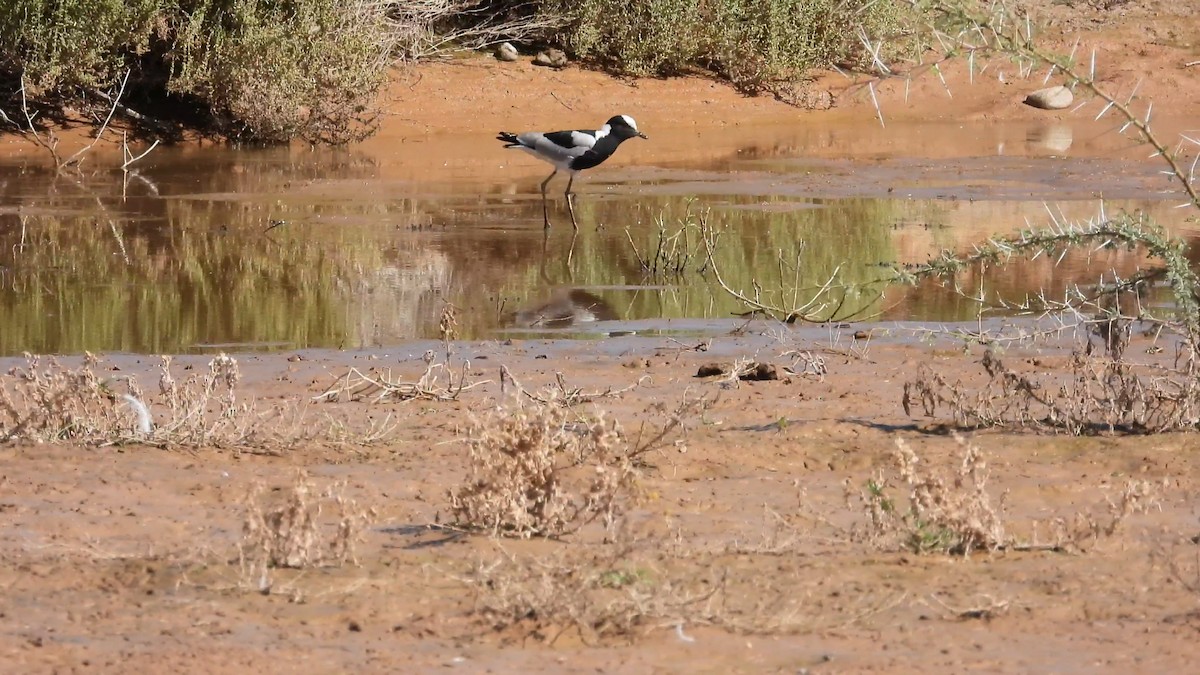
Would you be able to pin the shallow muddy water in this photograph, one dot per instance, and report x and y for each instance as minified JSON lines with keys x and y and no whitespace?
{"x":213,"y":248}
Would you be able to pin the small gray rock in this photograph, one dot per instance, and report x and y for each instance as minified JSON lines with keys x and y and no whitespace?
{"x":1051,"y":98}
{"x":551,"y":58}
{"x":507,"y":52}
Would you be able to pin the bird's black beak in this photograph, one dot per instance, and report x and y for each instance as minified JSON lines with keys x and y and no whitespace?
{"x":641,"y":135}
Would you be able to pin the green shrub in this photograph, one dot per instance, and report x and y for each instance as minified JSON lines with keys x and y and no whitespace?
{"x":753,"y":43}
{"x":259,"y":70}
{"x":272,"y":71}
{"x":59,"y":44}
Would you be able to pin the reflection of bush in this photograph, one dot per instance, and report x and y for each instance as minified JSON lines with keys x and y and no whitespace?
{"x":852,"y":234}
{"x":192,"y":263}
{"x":74,"y":286}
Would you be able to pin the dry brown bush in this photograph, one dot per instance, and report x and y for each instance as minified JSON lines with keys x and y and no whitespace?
{"x":1081,"y":530}
{"x":1100,"y":393}
{"x":629,"y":586}
{"x":606,"y":591}
{"x":45,"y":402}
{"x":290,"y":532}
{"x":1181,"y":561}
{"x":952,"y":511}
{"x":948,"y":511}
{"x":538,"y":468}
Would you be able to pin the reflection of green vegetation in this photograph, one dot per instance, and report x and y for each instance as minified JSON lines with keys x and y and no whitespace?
{"x":850,"y":234}
{"x":161,"y":273}
{"x":153,"y":274}
{"x":75,"y":286}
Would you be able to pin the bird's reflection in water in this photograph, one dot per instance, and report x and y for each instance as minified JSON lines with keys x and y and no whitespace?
{"x":565,"y":308}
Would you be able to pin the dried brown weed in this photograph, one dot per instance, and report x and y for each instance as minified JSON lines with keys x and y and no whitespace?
{"x":541,"y":469}
{"x":290,"y":532}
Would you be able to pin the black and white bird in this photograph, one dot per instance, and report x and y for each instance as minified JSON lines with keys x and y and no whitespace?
{"x":573,"y":151}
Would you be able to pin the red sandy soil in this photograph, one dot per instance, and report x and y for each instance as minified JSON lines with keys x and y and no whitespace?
{"x":124,"y":559}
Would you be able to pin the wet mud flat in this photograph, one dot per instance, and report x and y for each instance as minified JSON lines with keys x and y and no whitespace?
{"x":129,"y":556}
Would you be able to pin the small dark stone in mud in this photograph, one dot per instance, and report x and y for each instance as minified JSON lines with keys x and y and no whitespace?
{"x":541,"y":356}
{"x":762,"y":371}
{"x":551,"y":58}
{"x":756,"y":371}
{"x":862,"y":334}
{"x":508,"y":342}
{"x":354,"y":626}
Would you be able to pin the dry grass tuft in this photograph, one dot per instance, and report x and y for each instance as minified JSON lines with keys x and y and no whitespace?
{"x":948,"y":511}
{"x":1099,"y":394}
{"x":1083,"y":529}
{"x":953,"y":512}
{"x":603,"y":592}
{"x":290,"y":532}
{"x":1182,"y":564}
{"x":628,"y":586}
{"x":541,"y":469}
{"x":46,"y":402}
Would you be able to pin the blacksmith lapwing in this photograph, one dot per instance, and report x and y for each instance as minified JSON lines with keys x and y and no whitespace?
{"x":573,"y":151}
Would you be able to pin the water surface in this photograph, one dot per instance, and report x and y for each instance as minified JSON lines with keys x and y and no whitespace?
{"x":219,"y":248}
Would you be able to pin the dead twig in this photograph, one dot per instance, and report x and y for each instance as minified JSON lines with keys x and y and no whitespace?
{"x":439,"y":382}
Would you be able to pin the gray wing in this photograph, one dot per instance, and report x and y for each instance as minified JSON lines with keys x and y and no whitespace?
{"x":558,"y":146}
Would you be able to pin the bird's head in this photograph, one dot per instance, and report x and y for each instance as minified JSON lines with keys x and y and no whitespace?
{"x":623,"y":127}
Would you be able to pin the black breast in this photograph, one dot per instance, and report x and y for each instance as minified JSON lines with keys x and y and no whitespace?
{"x":602,"y":150}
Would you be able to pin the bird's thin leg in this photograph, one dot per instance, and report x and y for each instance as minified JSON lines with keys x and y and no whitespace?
{"x":570,"y":204}
{"x":545,"y":212}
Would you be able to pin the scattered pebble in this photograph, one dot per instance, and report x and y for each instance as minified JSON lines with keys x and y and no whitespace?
{"x":1050,"y":98}
{"x":507,"y":52}
{"x":551,"y":58}
{"x":755,"y":371}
